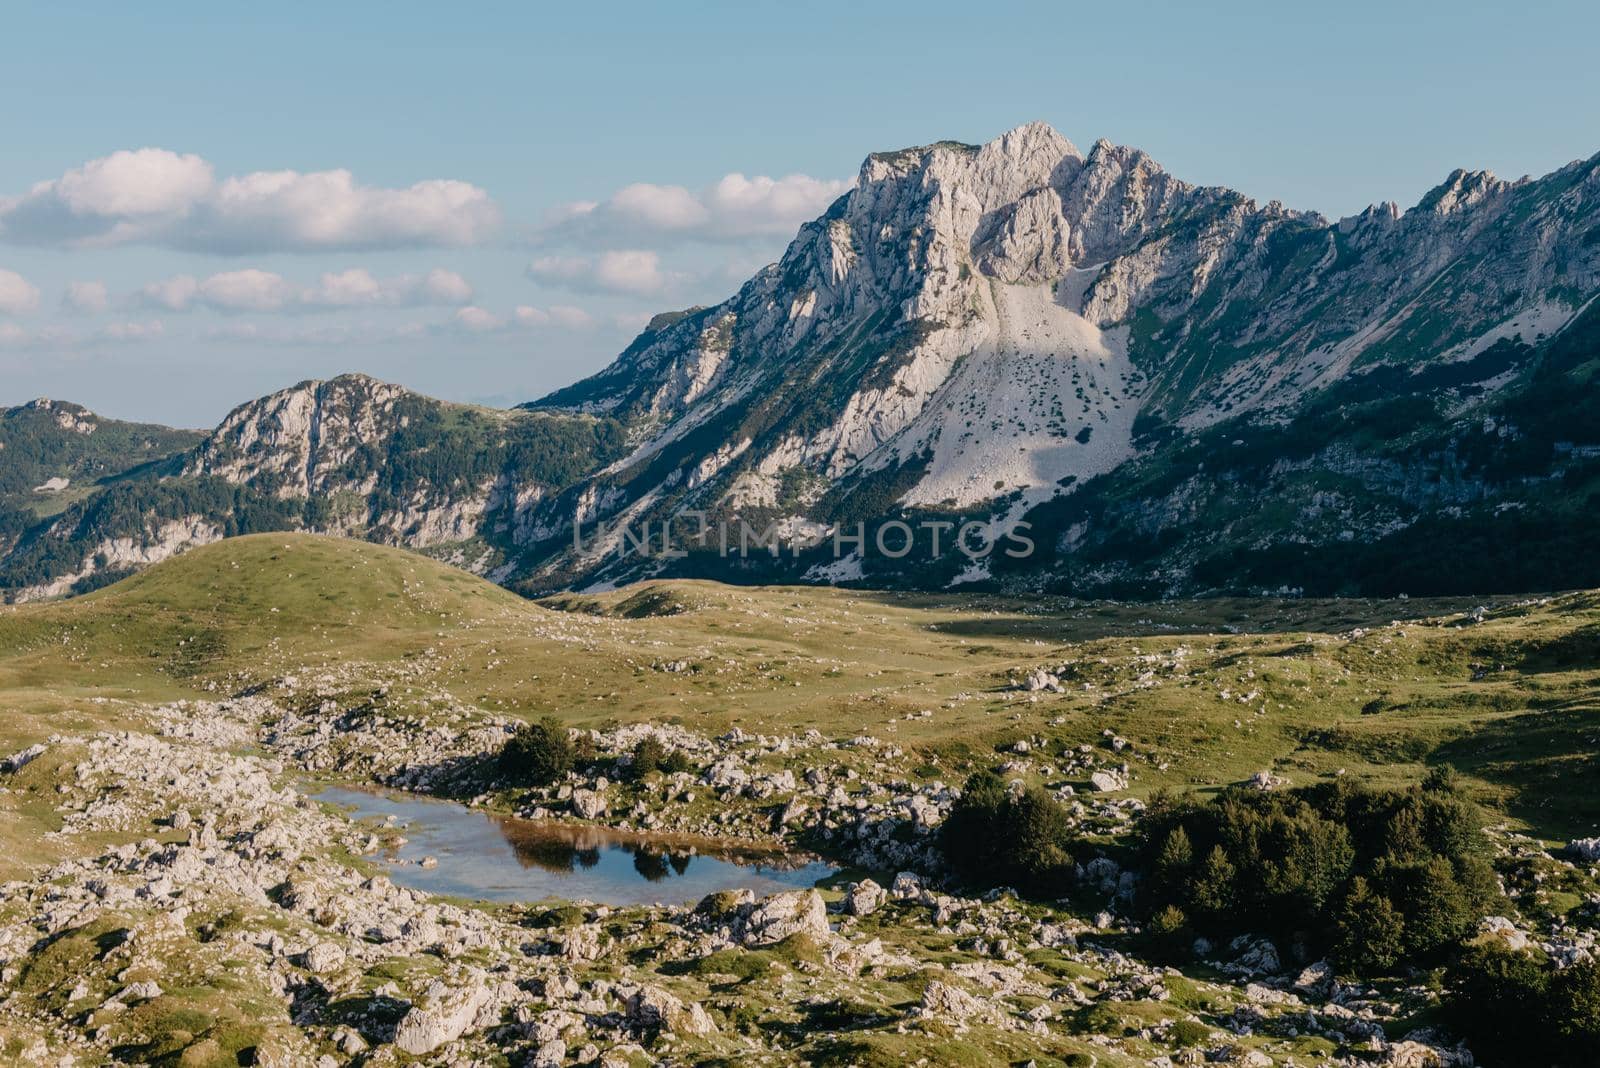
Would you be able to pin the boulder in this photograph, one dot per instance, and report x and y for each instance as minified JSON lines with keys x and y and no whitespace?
{"x":941,"y":1001}
{"x":1250,"y":1058}
{"x":782,"y":915}
{"x":18,"y":761}
{"x":588,"y":804}
{"x":729,"y":772}
{"x":1585,"y":848}
{"x":906,"y":885}
{"x":653,"y":1008}
{"x":864,"y":898}
{"x":1315,"y":979}
{"x":1040,"y":679}
{"x":580,"y":943}
{"x":551,"y":1054}
{"x":1108,"y":781}
{"x":1503,"y":931}
{"x":1412,"y":1054}
{"x":1253,"y":956}
{"x":324,"y":957}
{"x":442,"y":1014}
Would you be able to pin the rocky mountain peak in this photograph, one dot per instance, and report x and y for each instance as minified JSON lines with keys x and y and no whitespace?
{"x":999,"y":331}
{"x":298,"y":436}
{"x":979,"y":326}
{"x":66,"y":415}
{"x":1462,"y":190}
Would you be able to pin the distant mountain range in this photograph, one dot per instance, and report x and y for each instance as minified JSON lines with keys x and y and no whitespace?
{"x":1176,"y":389}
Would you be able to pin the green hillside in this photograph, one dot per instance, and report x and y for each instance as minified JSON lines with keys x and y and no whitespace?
{"x":1209,"y":692}
{"x":53,"y":455}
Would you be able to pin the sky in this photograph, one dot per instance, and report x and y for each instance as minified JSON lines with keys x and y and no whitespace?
{"x":485,"y":202}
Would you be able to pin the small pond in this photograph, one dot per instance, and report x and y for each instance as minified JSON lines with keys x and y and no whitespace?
{"x":496,"y":858}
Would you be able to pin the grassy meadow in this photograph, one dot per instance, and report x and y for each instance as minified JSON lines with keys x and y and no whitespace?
{"x":1207,"y":692}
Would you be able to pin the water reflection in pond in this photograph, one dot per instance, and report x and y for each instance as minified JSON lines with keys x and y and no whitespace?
{"x":500,"y":859}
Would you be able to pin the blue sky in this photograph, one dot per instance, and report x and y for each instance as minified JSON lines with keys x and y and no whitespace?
{"x":276,"y":228}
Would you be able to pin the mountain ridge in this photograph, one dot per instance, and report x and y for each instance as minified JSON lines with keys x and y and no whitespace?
{"x":1015,"y":332}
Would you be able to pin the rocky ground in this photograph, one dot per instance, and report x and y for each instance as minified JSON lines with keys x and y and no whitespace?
{"x":210,"y":913}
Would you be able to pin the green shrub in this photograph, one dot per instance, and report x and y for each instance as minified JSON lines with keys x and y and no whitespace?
{"x":1368,"y":931}
{"x":648,"y":756}
{"x":651,"y":755}
{"x":1500,"y":1000}
{"x":1437,"y":909}
{"x":538,"y":754}
{"x":1574,"y":1011}
{"x":992,"y":837}
{"x":1170,"y":934}
{"x":1187,"y":1033}
{"x":1375,"y":877}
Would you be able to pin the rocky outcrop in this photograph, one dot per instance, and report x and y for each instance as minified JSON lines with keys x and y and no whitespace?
{"x":444,"y":1012}
{"x":653,"y":1008}
{"x":128,"y":552}
{"x":299,"y":440}
{"x":784,"y":916}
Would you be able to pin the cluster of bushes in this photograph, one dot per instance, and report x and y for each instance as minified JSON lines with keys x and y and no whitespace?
{"x":539,"y":753}
{"x":542,"y":752}
{"x":1376,"y":878}
{"x":651,"y":755}
{"x":1515,"y":1007}
{"x":994,"y":835}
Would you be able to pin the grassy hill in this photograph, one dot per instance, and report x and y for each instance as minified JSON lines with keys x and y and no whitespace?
{"x":1208,"y":692}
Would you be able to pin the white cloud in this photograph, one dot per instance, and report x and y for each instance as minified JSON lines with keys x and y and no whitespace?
{"x":63,"y":338}
{"x":86,"y":298}
{"x":254,"y":290}
{"x":630,"y":271}
{"x":174,"y":294}
{"x":158,"y":197}
{"x":299,"y":335}
{"x":763,"y":205}
{"x":328,"y":210}
{"x":735,"y":208}
{"x":247,"y":290}
{"x":358,"y":288}
{"x":134,"y":331}
{"x":664,"y":207}
{"x":560,"y":270}
{"x":527,"y":315}
{"x":636,"y":271}
{"x":445,"y":287}
{"x":561,"y":315}
{"x":18,"y":296}
{"x":349,"y":289}
{"x":477,"y":320}
{"x":150,"y":181}
{"x":472,"y":321}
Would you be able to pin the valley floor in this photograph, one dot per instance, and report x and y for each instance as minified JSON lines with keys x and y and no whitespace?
{"x":174,"y":897}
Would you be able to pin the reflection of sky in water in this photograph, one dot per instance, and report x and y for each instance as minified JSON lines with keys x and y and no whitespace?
{"x":483,"y":856}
